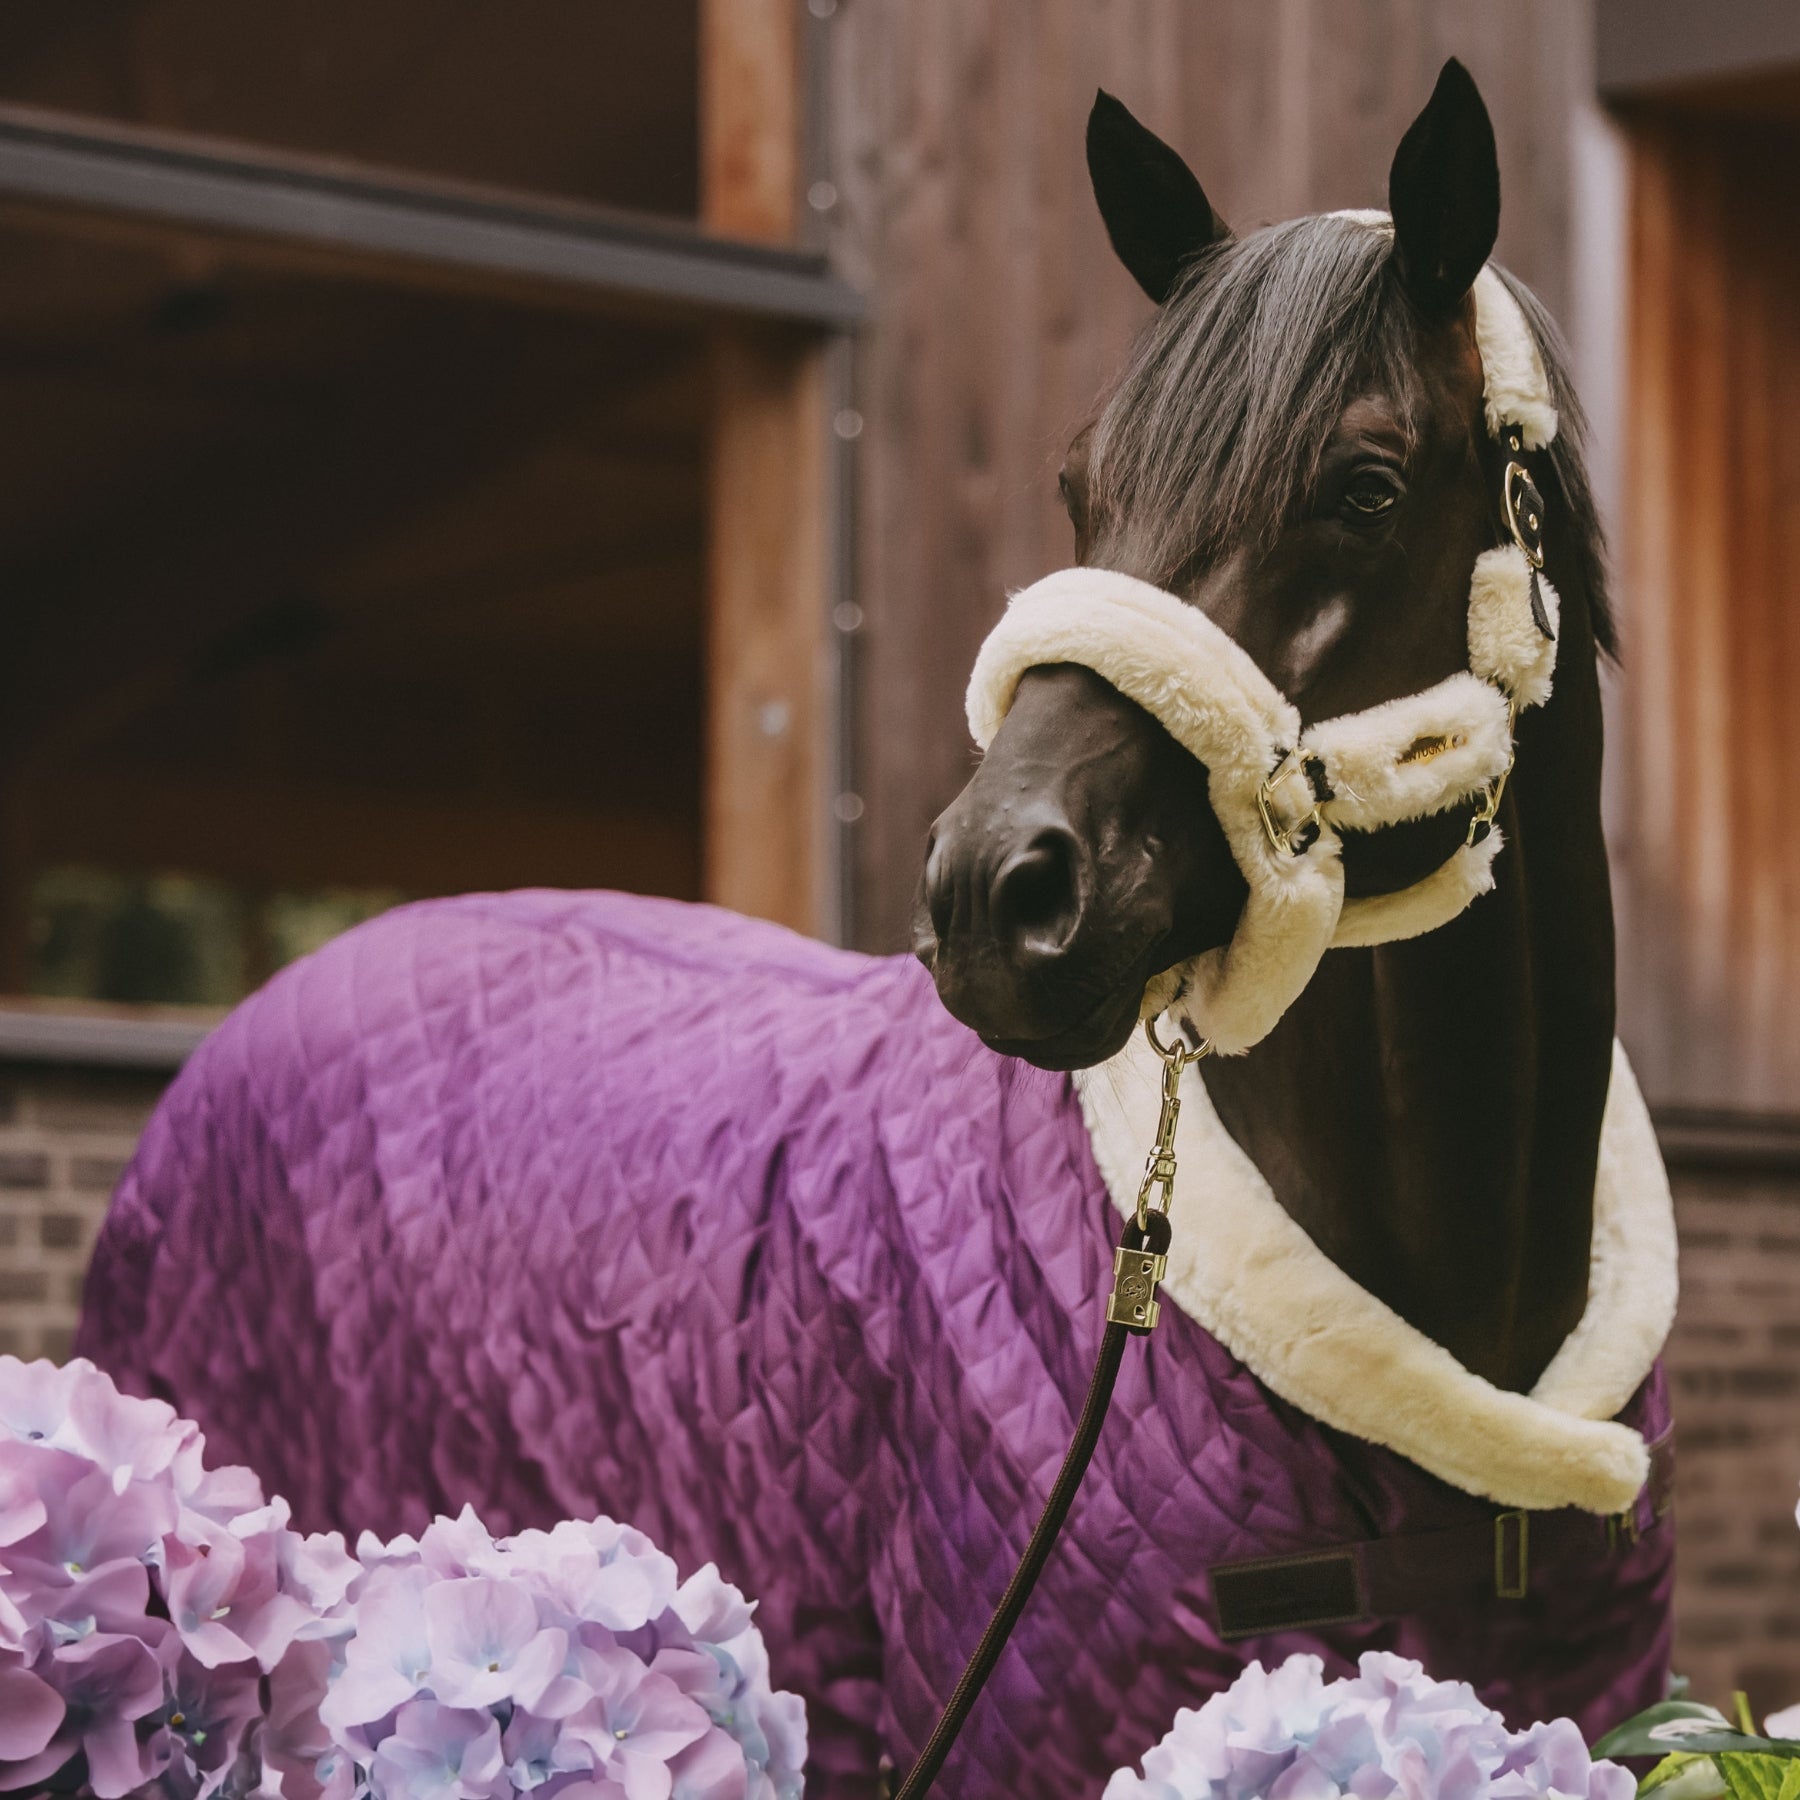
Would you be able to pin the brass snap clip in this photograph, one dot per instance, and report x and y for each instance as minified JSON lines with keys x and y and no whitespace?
{"x":1159,"y":1165}
{"x":1139,"y":1269}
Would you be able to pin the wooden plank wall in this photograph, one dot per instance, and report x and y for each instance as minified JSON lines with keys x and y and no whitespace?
{"x":1707,"y":866}
{"x":955,"y":140}
{"x":765,"y":830}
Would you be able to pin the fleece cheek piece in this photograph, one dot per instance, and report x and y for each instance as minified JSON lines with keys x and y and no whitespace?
{"x":1283,"y":792}
{"x":1220,"y":707}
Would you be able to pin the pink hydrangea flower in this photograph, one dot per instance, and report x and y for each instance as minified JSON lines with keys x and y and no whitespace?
{"x":440,"y":1752}
{"x":107,"y":1684}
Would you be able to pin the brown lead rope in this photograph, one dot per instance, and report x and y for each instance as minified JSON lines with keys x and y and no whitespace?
{"x":1131,"y":1311}
{"x":1043,"y":1539}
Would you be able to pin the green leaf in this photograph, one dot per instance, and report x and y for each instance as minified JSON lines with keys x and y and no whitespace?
{"x":1753,"y":1775}
{"x":1673,"y":1725}
{"x":1686,"y":1726}
{"x":1684,"y":1777}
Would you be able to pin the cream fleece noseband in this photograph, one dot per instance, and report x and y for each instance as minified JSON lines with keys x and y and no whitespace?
{"x":1284,"y":792}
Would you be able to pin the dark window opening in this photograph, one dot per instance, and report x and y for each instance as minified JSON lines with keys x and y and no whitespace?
{"x":320,"y":591}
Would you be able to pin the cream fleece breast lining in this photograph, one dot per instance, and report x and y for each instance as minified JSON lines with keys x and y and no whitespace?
{"x":1242,"y":1268}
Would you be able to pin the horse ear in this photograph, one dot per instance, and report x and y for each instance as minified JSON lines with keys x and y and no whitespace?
{"x":1444,"y":194}
{"x":1155,"y":212}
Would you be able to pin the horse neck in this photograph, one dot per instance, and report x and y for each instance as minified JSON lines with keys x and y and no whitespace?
{"x":1430,"y":1111}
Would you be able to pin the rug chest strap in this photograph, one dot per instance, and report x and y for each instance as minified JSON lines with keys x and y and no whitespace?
{"x":1394,"y":1577}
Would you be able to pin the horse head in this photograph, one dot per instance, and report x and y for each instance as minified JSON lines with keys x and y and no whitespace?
{"x":1298,"y":449}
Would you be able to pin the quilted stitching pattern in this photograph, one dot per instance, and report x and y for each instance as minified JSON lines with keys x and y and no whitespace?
{"x":568,"y":1203}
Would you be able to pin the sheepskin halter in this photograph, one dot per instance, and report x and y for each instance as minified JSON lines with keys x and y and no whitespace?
{"x":1284,"y":793}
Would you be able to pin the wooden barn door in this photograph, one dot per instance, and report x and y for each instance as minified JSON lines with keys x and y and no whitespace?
{"x":1710,"y":560}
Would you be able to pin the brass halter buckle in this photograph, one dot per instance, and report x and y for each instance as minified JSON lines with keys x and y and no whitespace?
{"x":1524,"y":504}
{"x":1294,"y":839}
{"x":1524,"y":508}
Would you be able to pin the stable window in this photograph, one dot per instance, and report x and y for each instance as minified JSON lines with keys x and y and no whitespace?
{"x":363,"y":533}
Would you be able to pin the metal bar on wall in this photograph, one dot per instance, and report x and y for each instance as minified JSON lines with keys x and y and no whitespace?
{"x":45,"y":157}
{"x":40,"y":1034}
{"x":842,"y":796}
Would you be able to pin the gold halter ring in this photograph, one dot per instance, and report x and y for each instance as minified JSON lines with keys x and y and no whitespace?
{"x":1178,"y":1054}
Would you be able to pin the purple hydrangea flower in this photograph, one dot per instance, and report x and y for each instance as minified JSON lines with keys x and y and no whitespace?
{"x":487,"y":1644}
{"x":387,"y":1660}
{"x":441,"y":1753}
{"x":160,"y":1622}
{"x":602,"y":1676}
{"x":143,"y":1595}
{"x":31,"y":1713}
{"x":107,"y":1684}
{"x":635,"y":1723}
{"x":1390,"y":1730}
{"x":207,"y":1718}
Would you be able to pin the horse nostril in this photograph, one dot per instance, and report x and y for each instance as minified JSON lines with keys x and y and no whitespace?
{"x":1036,"y":901}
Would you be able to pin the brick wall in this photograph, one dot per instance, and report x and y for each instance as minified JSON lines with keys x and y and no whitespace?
{"x":1734,"y":1358}
{"x":1735,"y":1364}
{"x":64,"y":1138}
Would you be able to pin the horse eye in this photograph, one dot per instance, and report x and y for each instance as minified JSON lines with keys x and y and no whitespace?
{"x":1371,"y":493}
{"x":1074,"y":503}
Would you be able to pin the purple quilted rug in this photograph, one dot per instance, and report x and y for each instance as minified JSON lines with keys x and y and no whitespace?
{"x":574,"y":1203}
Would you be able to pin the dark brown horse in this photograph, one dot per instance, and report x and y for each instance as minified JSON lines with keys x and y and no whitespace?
{"x":1297,"y":448}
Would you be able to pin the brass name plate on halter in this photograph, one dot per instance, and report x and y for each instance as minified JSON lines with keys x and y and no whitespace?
{"x":1429,"y":749}
{"x":1133,"y":1301}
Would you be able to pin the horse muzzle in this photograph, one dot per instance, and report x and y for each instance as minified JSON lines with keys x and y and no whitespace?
{"x":1063,"y":877}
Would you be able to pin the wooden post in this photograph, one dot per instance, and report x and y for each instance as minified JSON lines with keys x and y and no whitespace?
{"x":750,"y":118}
{"x":765,"y":806}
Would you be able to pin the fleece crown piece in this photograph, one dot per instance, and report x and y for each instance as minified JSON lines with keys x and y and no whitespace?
{"x":1284,"y":792}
